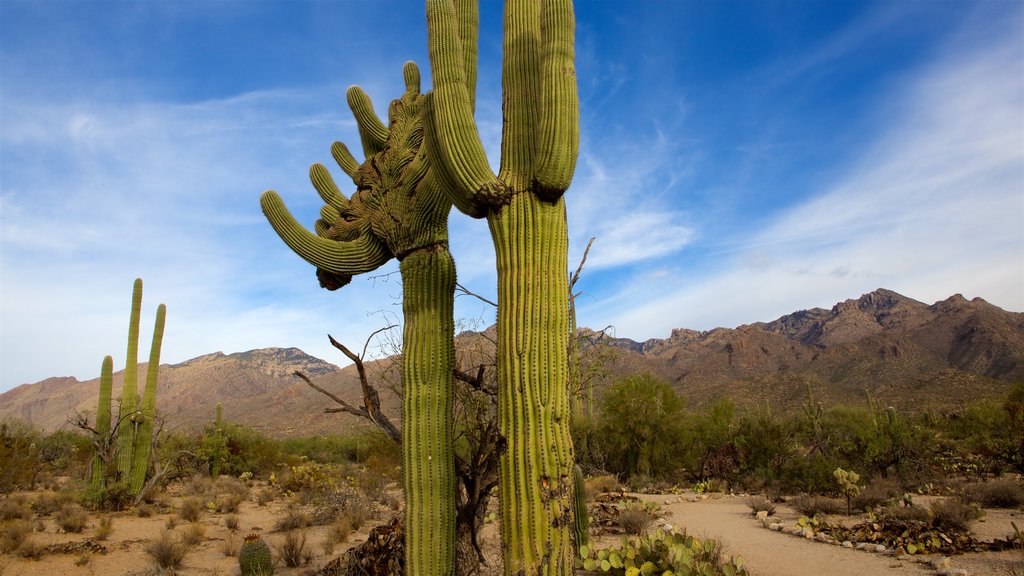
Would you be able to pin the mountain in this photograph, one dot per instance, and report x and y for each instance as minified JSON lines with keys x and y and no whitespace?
{"x":256,"y":388}
{"x":905,"y":353}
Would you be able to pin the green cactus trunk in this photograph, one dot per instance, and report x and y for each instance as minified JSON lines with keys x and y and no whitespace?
{"x":428,"y":278}
{"x":147,"y":412}
{"x":126,"y":430}
{"x":530,"y":241}
{"x":581,"y":517}
{"x":102,"y":439}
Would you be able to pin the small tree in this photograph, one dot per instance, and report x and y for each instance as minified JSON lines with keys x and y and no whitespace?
{"x":640,"y":424}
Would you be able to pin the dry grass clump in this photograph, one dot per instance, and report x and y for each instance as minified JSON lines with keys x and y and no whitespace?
{"x":294,"y":519}
{"x":813,"y":505}
{"x":999,"y":493}
{"x":71,"y":518}
{"x":229,"y":546}
{"x":193,"y":534}
{"x":13,"y":534}
{"x":31,"y":549}
{"x":760,"y":504}
{"x":191,"y":509}
{"x":600,"y":484}
{"x":227,"y":503}
{"x":197,"y":485}
{"x":231,"y":522}
{"x":167,"y":552}
{"x":952,"y":514}
{"x":104,"y":528}
{"x":264,"y":495}
{"x":914,"y":512}
{"x":292,"y":549}
{"x":15,"y":508}
{"x":48,"y":503}
{"x":337,"y":533}
{"x":231,"y":485}
{"x":878,"y":492}
{"x":634,"y":519}
{"x":144,"y":511}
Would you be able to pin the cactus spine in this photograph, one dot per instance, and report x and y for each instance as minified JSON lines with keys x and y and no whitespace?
{"x":102,"y":436}
{"x":398,"y":211}
{"x":525,"y":210}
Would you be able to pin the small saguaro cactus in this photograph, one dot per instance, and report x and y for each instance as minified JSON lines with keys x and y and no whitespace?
{"x":400,"y":211}
{"x":254,"y":557}
{"x":101,"y":438}
{"x":525,"y":210}
{"x":581,"y":517}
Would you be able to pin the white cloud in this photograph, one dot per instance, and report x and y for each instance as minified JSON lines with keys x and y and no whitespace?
{"x":935,"y":206}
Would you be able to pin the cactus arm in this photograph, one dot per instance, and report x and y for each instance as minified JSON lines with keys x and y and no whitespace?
{"x":457,"y":145}
{"x":344,"y":159}
{"x":129,"y":392}
{"x":358,"y":256}
{"x":469,"y":26}
{"x":325,"y":186}
{"x":144,"y":435}
{"x":102,"y":438}
{"x":520,"y":82}
{"x":558,"y":136}
{"x":372,"y":131}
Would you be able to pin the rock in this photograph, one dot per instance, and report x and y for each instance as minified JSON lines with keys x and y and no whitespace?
{"x":879,"y":548}
{"x":861,"y":546}
{"x":940,"y":563}
{"x":847,"y":544}
{"x":777,"y":527}
{"x":951,"y":572}
{"x":807,"y":533}
{"x":762,"y":515}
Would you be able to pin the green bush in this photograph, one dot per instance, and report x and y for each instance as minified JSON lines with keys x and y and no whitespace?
{"x":641,"y":426}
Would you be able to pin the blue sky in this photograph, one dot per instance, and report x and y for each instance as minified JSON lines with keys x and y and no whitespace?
{"x":738,"y":161}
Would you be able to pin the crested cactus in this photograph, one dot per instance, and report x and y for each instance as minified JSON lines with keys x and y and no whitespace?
{"x":254,"y":557}
{"x":400,"y":211}
{"x":525,"y":209}
{"x":102,"y":434}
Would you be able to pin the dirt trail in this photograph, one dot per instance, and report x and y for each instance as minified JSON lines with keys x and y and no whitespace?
{"x":766,"y":553}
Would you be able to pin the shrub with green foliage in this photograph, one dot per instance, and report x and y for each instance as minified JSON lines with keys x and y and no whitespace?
{"x":641,"y":425}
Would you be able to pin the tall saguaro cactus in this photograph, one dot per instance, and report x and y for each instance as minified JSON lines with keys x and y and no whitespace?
{"x":525,"y":210}
{"x":398,"y":211}
{"x":134,"y":427}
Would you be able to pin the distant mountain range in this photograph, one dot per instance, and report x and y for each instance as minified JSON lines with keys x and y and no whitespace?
{"x":905,"y":353}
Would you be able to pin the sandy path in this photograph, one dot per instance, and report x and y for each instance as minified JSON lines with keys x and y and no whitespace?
{"x":766,"y":553}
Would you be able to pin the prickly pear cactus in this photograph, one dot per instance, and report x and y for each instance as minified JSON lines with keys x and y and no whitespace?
{"x":254,"y":557}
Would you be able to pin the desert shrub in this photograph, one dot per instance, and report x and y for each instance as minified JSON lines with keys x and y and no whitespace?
{"x":193,"y":534}
{"x":15,"y":508}
{"x":335,"y":449}
{"x":337,"y":533}
{"x":191,"y":509}
{"x":229,"y":546}
{"x":65,"y":453}
{"x":914,"y":512}
{"x":19,"y":456}
{"x":292,"y":549}
{"x":760,"y":504}
{"x":356,"y":516}
{"x":167,"y":551}
{"x":878,"y":492}
{"x":812,"y":505}
{"x":265,"y":495}
{"x":600,"y":485}
{"x":634,"y":518}
{"x":144,"y":511}
{"x":48,"y":503}
{"x":295,"y":518}
{"x":231,"y":522}
{"x":71,"y":518}
{"x":229,"y":502}
{"x":377,"y":472}
{"x":999,"y":493}
{"x":640,"y":426}
{"x":231,"y":485}
{"x":31,"y":549}
{"x":103,"y":528}
{"x":197,"y":485}
{"x":953,"y":514}
{"x":310,"y":478}
{"x":13,"y":533}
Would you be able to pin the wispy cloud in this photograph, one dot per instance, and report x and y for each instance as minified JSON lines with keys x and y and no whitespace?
{"x":934,"y":206}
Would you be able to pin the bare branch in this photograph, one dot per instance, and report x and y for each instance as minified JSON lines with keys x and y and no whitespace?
{"x":579,"y":269}
{"x":467,"y":292}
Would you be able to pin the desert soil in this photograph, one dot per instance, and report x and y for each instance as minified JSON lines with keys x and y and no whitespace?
{"x":726,"y":518}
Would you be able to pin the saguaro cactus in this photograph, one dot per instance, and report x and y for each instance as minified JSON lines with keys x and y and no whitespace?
{"x":398,"y":211}
{"x":102,"y":434}
{"x":525,"y":210}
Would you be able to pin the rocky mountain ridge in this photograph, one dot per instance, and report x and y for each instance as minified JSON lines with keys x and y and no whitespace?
{"x":910,"y":354}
